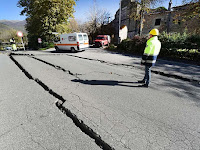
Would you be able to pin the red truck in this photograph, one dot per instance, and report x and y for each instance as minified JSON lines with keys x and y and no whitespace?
{"x":102,"y":40}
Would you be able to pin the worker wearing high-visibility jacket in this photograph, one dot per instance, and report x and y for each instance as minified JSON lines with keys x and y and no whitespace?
{"x":149,"y":57}
{"x":14,"y":47}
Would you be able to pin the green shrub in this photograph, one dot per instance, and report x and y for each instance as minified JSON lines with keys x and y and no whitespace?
{"x":46,"y":45}
{"x":181,"y":46}
{"x":174,"y":45}
{"x":135,"y":45}
{"x":195,"y":39}
{"x":111,"y":47}
{"x":177,"y":40}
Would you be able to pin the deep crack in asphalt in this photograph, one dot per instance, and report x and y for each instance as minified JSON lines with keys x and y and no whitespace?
{"x":78,"y":122}
{"x":195,"y":81}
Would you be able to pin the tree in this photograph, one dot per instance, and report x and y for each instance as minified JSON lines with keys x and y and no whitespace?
{"x":97,"y":18}
{"x":161,"y":9}
{"x":8,"y":34}
{"x":73,"y":25}
{"x":45,"y":17}
{"x":83,"y":27}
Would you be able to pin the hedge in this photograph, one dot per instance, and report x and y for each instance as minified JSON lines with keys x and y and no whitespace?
{"x":174,"y":45}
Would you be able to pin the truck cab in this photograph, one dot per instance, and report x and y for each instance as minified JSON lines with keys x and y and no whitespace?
{"x":102,"y":40}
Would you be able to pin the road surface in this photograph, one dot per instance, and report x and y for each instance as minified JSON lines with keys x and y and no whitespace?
{"x":58,"y":101}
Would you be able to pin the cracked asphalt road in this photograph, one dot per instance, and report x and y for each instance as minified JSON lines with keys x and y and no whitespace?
{"x":29,"y":119}
{"x":105,"y":97}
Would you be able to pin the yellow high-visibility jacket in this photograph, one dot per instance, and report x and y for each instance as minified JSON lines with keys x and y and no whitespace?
{"x":151,"y":51}
{"x":12,"y":41}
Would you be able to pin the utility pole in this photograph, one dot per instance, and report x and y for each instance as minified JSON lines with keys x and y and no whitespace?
{"x":95,"y":10}
{"x":120,"y":11}
{"x":108,"y":20}
{"x":95,"y":18}
{"x":169,"y":16}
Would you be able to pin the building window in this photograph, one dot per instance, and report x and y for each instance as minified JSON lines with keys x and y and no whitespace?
{"x":157,"y":22}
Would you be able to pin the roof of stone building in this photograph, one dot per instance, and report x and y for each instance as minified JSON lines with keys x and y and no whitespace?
{"x":184,"y":5}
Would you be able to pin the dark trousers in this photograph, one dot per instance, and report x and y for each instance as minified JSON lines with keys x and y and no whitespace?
{"x":147,"y":76}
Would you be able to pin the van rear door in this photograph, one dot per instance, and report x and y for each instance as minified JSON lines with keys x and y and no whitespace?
{"x":86,"y":40}
{"x":80,"y":40}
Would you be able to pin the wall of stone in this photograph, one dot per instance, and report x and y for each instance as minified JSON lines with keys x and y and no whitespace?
{"x":176,"y":23}
{"x":150,"y":22}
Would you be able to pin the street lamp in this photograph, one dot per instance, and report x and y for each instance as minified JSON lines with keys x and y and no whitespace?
{"x":108,"y":20}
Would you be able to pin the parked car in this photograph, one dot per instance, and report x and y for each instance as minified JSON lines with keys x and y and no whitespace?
{"x":8,"y":48}
{"x":102,"y":40}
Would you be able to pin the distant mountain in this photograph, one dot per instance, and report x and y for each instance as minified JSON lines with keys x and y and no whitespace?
{"x":4,"y":27}
{"x":15,"y":24}
{"x":5,"y":32}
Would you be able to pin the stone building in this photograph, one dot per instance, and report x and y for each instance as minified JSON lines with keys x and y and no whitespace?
{"x":129,"y":9}
{"x":161,"y":19}
{"x":165,"y":20}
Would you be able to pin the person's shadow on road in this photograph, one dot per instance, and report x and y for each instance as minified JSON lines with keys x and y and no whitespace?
{"x":107,"y":82}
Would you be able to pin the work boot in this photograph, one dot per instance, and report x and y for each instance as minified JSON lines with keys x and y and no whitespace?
{"x":145,"y":85}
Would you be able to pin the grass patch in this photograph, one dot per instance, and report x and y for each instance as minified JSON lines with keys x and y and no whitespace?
{"x":188,"y":50}
{"x":47,"y":45}
{"x":112,"y":47}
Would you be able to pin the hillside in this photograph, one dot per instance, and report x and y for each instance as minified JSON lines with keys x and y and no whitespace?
{"x":15,"y":24}
{"x":9,"y":28}
{"x":4,"y":27}
{"x":5,"y":32}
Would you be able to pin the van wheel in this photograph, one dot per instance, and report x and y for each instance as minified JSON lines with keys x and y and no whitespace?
{"x":73,"y":50}
{"x":57,"y":49}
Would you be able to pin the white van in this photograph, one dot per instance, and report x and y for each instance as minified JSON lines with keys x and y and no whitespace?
{"x":72,"y":41}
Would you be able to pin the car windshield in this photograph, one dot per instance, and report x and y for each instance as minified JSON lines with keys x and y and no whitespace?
{"x":100,"y":38}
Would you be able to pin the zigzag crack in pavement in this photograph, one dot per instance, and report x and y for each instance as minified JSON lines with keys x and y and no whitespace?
{"x":154,"y":71}
{"x":127,"y":65}
{"x":79,"y":123}
{"x":57,"y":67}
